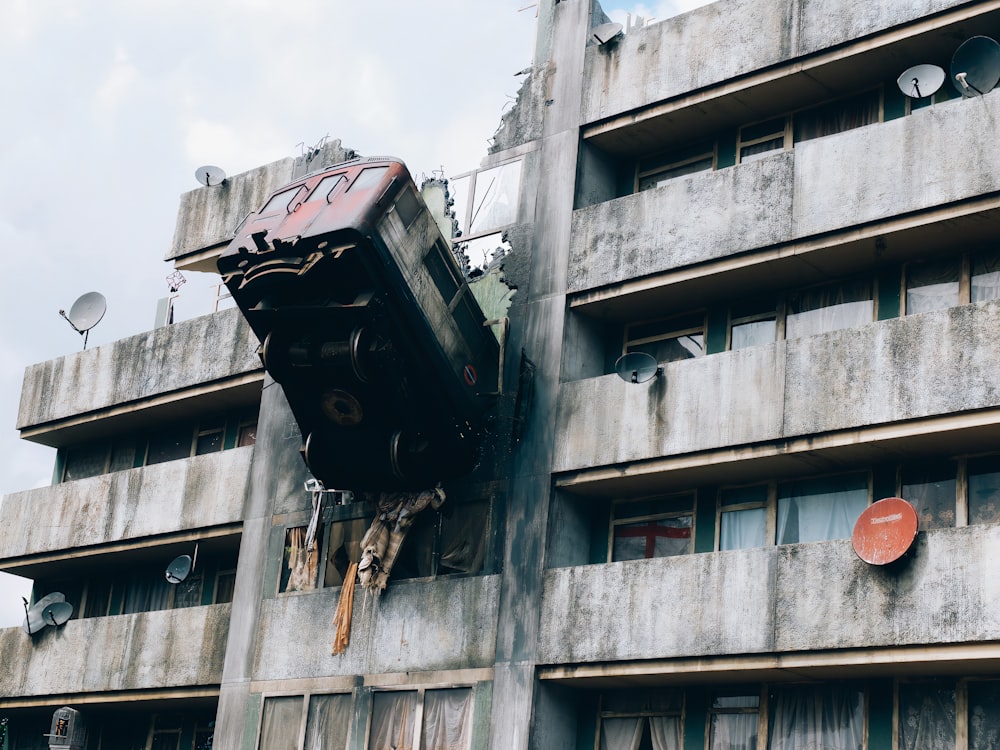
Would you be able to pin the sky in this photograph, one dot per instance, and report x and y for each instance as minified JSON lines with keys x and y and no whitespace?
{"x":110,"y":106}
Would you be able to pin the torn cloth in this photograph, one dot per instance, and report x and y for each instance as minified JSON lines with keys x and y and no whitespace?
{"x":381,"y":543}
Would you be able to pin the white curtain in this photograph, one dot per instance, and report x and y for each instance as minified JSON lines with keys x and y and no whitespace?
{"x":806,"y":513}
{"x":816,"y":718}
{"x":932,"y":286}
{"x":147,"y":591}
{"x":392,"y":721}
{"x":753,"y":334}
{"x":329,"y":722}
{"x":926,"y":717}
{"x":627,"y":733}
{"x":828,"y":318}
{"x":743,"y":529}
{"x":986,"y":276}
{"x":280,"y":724}
{"x":447,"y":721}
{"x":734,"y":732}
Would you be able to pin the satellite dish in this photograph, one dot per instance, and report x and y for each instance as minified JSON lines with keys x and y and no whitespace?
{"x":179,"y":569}
{"x":921,"y":80}
{"x":975,"y":67}
{"x":86,"y":313}
{"x":637,"y":367}
{"x":209,"y":176}
{"x":33,"y":618}
{"x":606,"y":32}
{"x":884,"y":532}
{"x":57,"y":613}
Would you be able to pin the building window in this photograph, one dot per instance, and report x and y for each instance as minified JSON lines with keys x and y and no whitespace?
{"x":486,"y":200}
{"x":641,"y":720}
{"x":927,"y":714}
{"x":652,"y":527}
{"x":791,"y":512}
{"x":744,"y":517}
{"x":280,"y":723}
{"x":165,"y":732}
{"x":933,"y":285}
{"x":733,"y":722}
{"x":328,"y":724}
{"x":669,"y":339}
{"x":822,"y":716}
{"x":762,"y":139}
{"x":656,"y":170}
{"x":829,"y":307}
{"x":984,"y":715}
{"x":300,"y":561}
{"x":838,"y":116}
{"x":755,"y":322}
{"x":931,"y":488}
{"x":439,"y":718}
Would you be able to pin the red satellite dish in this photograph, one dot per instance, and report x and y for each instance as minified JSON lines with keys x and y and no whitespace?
{"x":885,"y":531}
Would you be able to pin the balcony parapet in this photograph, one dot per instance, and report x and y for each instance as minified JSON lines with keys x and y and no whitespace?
{"x":187,"y":494}
{"x":771,"y":600}
{"x":168,"y":364}
{"x":895,"y":371}
{"x":416,"y":626}
{"x":893,"y":169}
{"x":164,"y":649}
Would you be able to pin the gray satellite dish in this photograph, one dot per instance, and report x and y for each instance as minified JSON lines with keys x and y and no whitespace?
{"x":209,"y":176}
{"x":920,"y":80}
{"x":86,"y":313}
{"x":606,"y":32}
{"x":637,"y":367}
{"x":34,"y":621}
{"x":179,"y":569}
{"x":57,"y":613}
{"x":975,"y":67}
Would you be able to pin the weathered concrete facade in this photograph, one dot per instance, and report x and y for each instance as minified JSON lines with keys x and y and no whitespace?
{"x":812,"y":259}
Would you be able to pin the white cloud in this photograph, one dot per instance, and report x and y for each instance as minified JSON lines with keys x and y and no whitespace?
{"x":118,"y":85}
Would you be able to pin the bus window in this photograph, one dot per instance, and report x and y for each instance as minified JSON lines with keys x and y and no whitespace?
{"x":368,"y":178}
{"x":328,"y":188}
{"x":281,"y":201}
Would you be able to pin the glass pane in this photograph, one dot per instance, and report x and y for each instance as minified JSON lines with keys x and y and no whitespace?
{"x":984,"y":489}
{"x":640,"y":700}
{"x":830,"y":307}
{"x":930,"y":488}
{"x":247,"y":436}
{"x":463,"y":538}
{"x":325,"y":189}
{"x":736,"y":701}
{"x":813,"y":510}
{"x":838,"y":116}
{"x":932,"y":285}
{"x":447,"y":719}
{"x":805,"y":716}
{"x":738,"y":495}
{"x":208,"y":443}
{"x":665,"y":537}
{"x":655,"y":180}
{"x":279,"y":202}
{"x":392,"y":721}
{"x":497,"y":191}
{"x":187,"y":593}
{"x":984,"y":715}
{"x":280,"y":725}
{"x":458,"y":190}
{"x":84,"y":461}
{"x":368,"y":179}
{"x":673,"y":349}
{"x":169,"y":444}
{"x":986,"y":276}
{"x":762,"y":149}
{"x":743,"y":529}
{"x":926,"y":716}
{"x":753,"y":334}
{"x":733,"y":732}
{"x":329,"y":722}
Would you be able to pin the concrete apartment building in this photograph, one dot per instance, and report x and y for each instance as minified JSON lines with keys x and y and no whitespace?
{"x":742,"y":191}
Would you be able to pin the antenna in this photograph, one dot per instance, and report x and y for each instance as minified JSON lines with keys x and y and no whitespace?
{"x":975,"y":67}
{"x":86,"y":313}
{"x":920,"y":80}
{"x":607,"y":33}
{"x":637,"y":367}
{"x":209,"y":175}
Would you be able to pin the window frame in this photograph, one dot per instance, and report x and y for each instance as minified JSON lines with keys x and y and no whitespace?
{"x":785,"y":133}
{"x":668,"y":332}
{"x":691,"y":154}
{"x":418,"y":718}
{"x":672,"y":497}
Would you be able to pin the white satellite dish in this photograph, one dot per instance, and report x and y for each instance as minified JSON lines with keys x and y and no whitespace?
{"x":38,"y":617}
{"x":921,"y":80}
{"x":637,"y":367}
{"x":209,"y":175}
{"x":86,"y":313}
